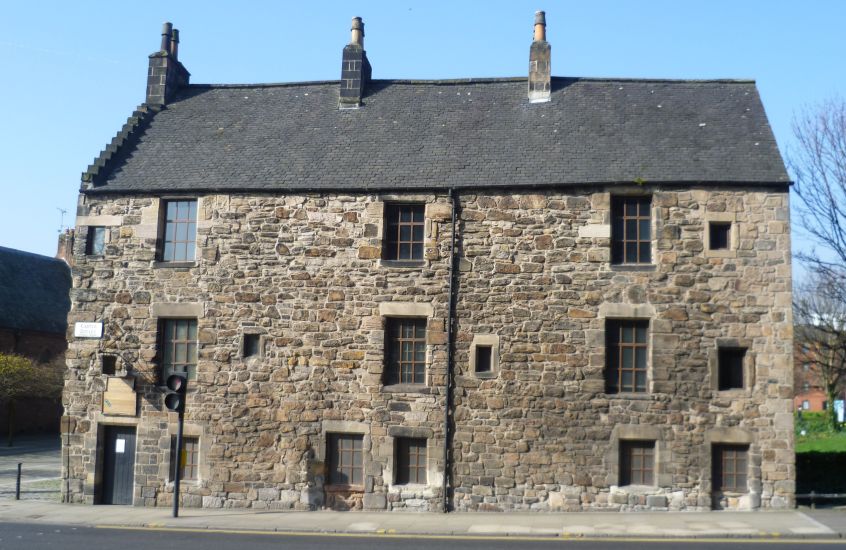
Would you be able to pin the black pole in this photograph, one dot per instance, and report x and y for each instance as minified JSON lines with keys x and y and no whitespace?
{"x":177,"y":476}
{"x":453,"y":288}
{"x":18,"y":483}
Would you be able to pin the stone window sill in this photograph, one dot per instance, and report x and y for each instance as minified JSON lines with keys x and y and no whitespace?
{"x":407,"y":388}
{"x":639,"y":489}
{"x":633,"y":267}
{"x":411,"y":487}
{"x":733,"y":392}
{"x":159,"y":264}
{"x":343,"y":488}
{"x":485,"y":375}
{"x":629,"y":396}
{"x":403,"y":264}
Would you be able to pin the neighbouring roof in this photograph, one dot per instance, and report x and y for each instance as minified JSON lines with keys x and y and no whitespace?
{"x":34,"y":292}
{"x":438,"y":134}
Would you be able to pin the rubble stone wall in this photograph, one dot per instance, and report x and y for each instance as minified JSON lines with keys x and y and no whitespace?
{"x":535,"y":281}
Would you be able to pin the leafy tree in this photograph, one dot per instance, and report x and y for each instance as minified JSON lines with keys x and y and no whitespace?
{"x":21,"y":379}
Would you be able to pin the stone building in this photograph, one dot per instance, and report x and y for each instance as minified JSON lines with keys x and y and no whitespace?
{"x":428,"y":295}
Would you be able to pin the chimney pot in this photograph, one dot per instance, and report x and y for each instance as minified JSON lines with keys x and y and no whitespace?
{"x":167,"y":31}
{"x":540,"y":26}
{"x":174,"y":44}
{"x":540,"y":67}
{"x":357,"y":38}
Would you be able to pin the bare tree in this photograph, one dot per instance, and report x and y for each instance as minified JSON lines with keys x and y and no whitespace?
{"x":819,"y":307}
{"x":819,"y":166}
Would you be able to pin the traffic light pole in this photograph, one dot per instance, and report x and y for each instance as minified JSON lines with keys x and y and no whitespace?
{"x":175,"y":401}
{"x":177,"y":477}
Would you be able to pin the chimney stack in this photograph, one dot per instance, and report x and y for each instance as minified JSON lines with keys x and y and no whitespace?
{"x":65,"y":248}
{"x":540,"y":70}
{"x":166,"y":74}
{"x":355,"y":68}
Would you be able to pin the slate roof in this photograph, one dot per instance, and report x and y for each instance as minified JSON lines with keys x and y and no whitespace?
{"x":34,"y":292}
{"x":438,"y":134}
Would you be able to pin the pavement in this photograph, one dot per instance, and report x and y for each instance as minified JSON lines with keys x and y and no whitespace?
{"x":40,"y":504}
{"x":793,"y":524}
{"x":41,"y":467}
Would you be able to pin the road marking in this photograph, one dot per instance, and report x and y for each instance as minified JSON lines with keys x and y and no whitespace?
{"x":774,"y":539}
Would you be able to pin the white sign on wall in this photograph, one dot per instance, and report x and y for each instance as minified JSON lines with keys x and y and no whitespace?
{"x":88,"y":330}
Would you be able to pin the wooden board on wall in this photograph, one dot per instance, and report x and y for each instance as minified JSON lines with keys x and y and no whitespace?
{"x":119,"y":397}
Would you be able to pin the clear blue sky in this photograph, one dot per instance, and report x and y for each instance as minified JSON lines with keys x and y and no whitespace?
{"x":72,"y":72}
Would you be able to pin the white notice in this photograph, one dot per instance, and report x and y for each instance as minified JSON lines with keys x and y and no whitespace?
{"x":120,"y":446}
{"x":88,"y":330}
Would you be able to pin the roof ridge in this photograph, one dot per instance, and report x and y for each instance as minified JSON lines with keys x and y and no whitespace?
{"x":477,"y":80}
{"x":7,"y":250}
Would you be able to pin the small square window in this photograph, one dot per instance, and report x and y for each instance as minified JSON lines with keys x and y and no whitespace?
{"x":729,"y":464}
{"x":411,"y":460}
{"x":252,"y":345}
{"x":806,"y":405}
{"x":631,"y":230}
{"x":730,"y":368}
{"x":179,"y":233}
{"x":404,"y":224}
{"x":637,"y":462}
{"x":484,"y":357}
{"x":346,"y":461}
{"x":95,"y":244}
{"x":109,"y":365}
{"x":719,"y":235}
{"x":190,"y":458}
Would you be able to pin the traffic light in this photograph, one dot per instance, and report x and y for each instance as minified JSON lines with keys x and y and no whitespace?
{"x":175,"y":398}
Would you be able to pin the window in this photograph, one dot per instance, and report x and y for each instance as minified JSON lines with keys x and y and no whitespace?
{"x":484,"y":355}
{"x":345,"y":459}
{"x":189,"y":461}
{"x":719,"y":235}
{"x":405,"y":351}
{"x":411,"y":460}
{"x":729,"y":464}
{"x":631,"y":230}
{"x":180,"y":231}
{"x":95,"y":244}
{"x":404,"y":232}
{"x":637,"y":462}
{"x":179,"y":347}
{"x":825,"y":405}
{"x":806,"y":367}
{"x":626,"y":356}
{"x":730,"y":368}
{"x":109,"y":365}
{"x":806,"y":405}
{"x":252,"y":345}
{"x":806,"y":386}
